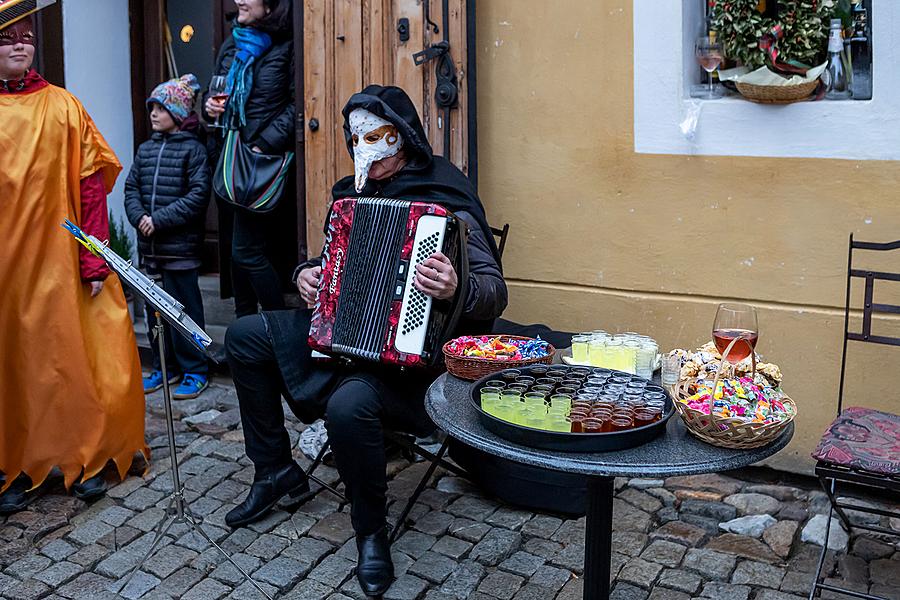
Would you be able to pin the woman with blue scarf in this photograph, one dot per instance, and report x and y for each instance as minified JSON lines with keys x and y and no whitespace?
{"x":258,"y":63}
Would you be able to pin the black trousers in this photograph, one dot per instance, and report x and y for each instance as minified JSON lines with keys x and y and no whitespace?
{"x":354,"y":412}
{"x":254,"y":276}
{"x":182,"y":355}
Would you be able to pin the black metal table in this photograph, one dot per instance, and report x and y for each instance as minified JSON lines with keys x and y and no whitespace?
{"x":675,"y":452}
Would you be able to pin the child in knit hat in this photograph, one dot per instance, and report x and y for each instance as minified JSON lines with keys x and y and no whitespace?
{"x":166,"y":196}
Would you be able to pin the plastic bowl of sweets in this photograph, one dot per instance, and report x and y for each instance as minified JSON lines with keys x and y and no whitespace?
{"x":577,"y":409}
{"x":473,"y":357}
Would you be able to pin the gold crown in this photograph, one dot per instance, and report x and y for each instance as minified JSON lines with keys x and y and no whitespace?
{"x":12,"y":11}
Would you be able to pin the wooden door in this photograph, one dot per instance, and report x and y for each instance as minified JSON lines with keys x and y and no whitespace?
{"x":348,"y":44}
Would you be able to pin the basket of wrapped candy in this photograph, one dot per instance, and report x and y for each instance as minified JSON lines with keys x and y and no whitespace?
{"x":737,"y":411}
{"x":472,"y":358}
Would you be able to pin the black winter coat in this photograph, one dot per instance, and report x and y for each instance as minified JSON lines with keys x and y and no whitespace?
{"x":270,"y":106}
{"x":169,"y":181}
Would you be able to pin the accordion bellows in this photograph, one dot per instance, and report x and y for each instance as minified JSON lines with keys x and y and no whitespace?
{"x":366,"y":305}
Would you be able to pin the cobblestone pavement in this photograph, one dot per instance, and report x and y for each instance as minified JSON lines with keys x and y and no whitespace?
{"x":686,"y":537}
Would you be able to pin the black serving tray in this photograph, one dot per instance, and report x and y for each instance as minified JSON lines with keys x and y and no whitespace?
{"x":568,"y":442}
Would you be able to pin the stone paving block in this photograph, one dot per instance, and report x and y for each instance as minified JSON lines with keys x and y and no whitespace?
{"x":667,"y":594}
{"x":179,"y":582}
{"x":797,"y":583}
{"x":570,"y":557}
{"x":725,"y":591}
{"x":28,"y":566}
{"x":469,"y":530}
{"x":452,"y":484}
{"x":744,"y":546}
{"x":434,"y":523}
{"x":463,"y":581}
{"x":550,"y":577}
{"x":88,"y":585}
{"x":309,"y":589}
{"x":666,"y":553}
{"x":753,"y":504}
{"x":885,"y":571}
{"x":709,"y":481}
{"x":543,"y":548}
{"x":332,"y":571}
{"x":709,"y":525}
{"x":89,"y":532}
{"x":853,"y":568}
{"x":453,"y":547}
{"x":334,"y":528}
{"x":229,"y":574}
{"x":509,"y":518}
{"x":207,"y":589}
{"x":472,"y":507}
{"x":121,"y":490}
{"x":402,"y":562}
{"x":749,"y":572}
{"x":59,"y":573}
{"x":780,"y":537}
{"x":543,"y":526}
{"x":143,"y":498}
{"x":629,"y":518}
{"x":433,"y":567}
{"x":435,"y":594}
{"x":436,"y":499}
{"x":167,"y":560}
{"x":415,"y":543}
{"x":89,"y":556}
{"x":667,"y":498}
{"x":626,"y":591}
{"x":640,"y":572}
{"x":496,"y":546}
{"x":570,"y":532}
{"x":281,"y":572}
{"x":773,"y":595}
{"x":139,"y":585}
{"x":115,"y":515}
{"x":709,"y":563}
{"x":269,"y":522}
{"x":501,"y":585}
{"x":308,"y":551}
{"x":148,"y":519}
{"x":631,"y":543}
{"x":320,"y":506}
{"x":120,"y":536}
{"x":226,"y":491}
{"x":193,"y":540}
{"x":573,"y":590}
{"x":26,"y":590}
{"x":295,"y":527}
{"x":522,"y":563}
{"x":641,"y":500}
{"x":533,"y":591}
{"x":713,"y":510}
{"x":267,"y":546}
{"x":678,"y":579}
{"x":239,"y":539}
{"x":58,"y":550}
{"x":13,"y":551}
{"x":406,"y":587}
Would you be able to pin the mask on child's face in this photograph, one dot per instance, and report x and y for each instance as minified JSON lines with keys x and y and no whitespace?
{"x":374,"y":138}
{"x":20,"y":32}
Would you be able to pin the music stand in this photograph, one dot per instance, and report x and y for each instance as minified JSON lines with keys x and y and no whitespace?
{"x":167,"y":309}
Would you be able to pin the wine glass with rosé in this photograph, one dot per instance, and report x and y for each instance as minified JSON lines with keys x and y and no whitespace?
{"x":710,"y":55}
{"x":735,"y":322}
{"x":218,"y":87}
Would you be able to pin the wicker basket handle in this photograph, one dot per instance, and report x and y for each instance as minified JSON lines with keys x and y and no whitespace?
{"x":712,"y":397}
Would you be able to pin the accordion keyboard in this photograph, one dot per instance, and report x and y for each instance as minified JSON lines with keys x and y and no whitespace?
{"x":416,"y":306}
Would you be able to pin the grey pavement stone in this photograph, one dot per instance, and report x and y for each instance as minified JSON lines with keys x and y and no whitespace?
{"x":434,"y":523}
{"x":725,"y":591}
{"x":742,"y":545}
{"x":714,"y":565}
{"x":667,"y":498}
{"x":121,"y":490}
{"x":415,"y":543}
{"x":472,"y":507}
{"x":870,"y":549}
{"x":89,"y":556}
{"x":26,"y":590}
{"x":229,"y":574}
{"x":226,"y":491}
{"x":28,"y":566}
{"x":281,"y":572}
{"x":641,"y":500}
{"x":680,"y":580}
{"x":433,"y":567}
{"x":469,"y":530}
{"x":665,"y":553}
{"x":59,"y":573}
{"x":295,"y":527}
{"x":543,"y":526}
{"x":543,"y":548}
{"x":752,"y":525}
{"x":550,"y":577}
{"x":631,"y":543}
{"x":436,"y":499}
{"x":332,"y":571}
{"x":570,"y":557}
{"x":814,"y":532}
{"x":758,"y":574}
{"x":267,"y":546}
{"x":269,"y":522}
{"x":496,"y":546}
{"x":207,"y":589}
{"x":522,"y":563}
{"x":753,"y":504}
{"x":667,"y":594}
{"x":456,"y":485}
{"x":713,"y":510}
{"x":335,"y":528}
{"x":88,"y":585}
{"x":797,"y":583}
{"x":406,"y":587}
{"x":58,"y":549}
{"x":309,"y":589}
{"x":140,"y":584}
{"x":532,"y":591}
{"x":463,"y":581}
{"x":434,"y":594}
{"x":780,"y":537}
{"x":168,"y":559}
{"x":501,"y":585}
{"x":570,"y":532}
{"x":508,"y":518}
{"x":239,"y":539}
{"x":148,"y":519}
{"x":773,"y":595}
{"x":90,"y":532}
{"x":320,"y":506}
{"x":143,"y":498}
{"x":192,"y":540}
{"x":115,"y":515}
{"x":627,"y":517}
{"x":402,"y":562}
{"x":640,"y":572}
{"x":626,"y":591}
{"x":308,"y":551}
{"x":453,"y":547}
{"x":179,"y":582}
{"x":574,"y":590}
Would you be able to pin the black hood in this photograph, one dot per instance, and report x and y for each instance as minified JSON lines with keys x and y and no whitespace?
{"x":393,"y":104}
{"x":426,"y":177}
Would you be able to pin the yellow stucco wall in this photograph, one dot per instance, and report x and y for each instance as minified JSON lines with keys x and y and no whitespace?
{"x":602,"y":237}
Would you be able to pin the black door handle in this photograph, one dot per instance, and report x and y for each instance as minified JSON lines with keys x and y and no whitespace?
{"x":313,"y":124}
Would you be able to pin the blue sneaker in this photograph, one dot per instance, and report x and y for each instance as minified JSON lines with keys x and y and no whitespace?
{"x":191,"y":386}
{"x":154,"y":381}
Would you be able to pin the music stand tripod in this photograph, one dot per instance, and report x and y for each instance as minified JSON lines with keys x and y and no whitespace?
{"x":166,"y":309}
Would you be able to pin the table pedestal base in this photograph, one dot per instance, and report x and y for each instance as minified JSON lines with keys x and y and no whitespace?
{"x":598,"y":538}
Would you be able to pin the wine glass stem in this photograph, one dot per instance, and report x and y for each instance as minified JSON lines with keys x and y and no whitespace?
{"x":709,"y":75}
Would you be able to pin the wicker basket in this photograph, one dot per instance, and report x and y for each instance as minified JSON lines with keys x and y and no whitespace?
{"x":777,"y":94}
{"x":727,"y":432}
{"x":471,"y":369}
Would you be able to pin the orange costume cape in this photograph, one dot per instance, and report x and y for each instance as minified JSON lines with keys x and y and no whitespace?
{"x":70,"y":376}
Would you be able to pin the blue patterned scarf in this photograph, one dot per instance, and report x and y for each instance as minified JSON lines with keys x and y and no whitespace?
{"x":251,"y":44}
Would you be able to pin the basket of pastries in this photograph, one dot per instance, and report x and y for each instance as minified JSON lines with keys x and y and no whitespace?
{"x":472,"y":358}
{"x":731,"y":406}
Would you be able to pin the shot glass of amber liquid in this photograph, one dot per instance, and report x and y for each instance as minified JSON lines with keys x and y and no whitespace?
{"x":592,"y":425}
{"x":621,"y":423}
{"x":644,"y":416}
{"x":577,"y":422}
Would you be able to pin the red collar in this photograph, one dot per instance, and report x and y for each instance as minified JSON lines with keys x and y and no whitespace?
{"x":32,"y":82}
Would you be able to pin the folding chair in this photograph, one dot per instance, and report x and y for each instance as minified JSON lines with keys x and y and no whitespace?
{"x":860,"y":446}
{"x":409,"y":445}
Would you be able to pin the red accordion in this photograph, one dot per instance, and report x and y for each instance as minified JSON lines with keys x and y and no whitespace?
{"x":367,"y":306}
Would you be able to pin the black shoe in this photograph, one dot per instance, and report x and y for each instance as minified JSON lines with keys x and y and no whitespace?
{"x":266,"y":491}
{"x":16,"y":497}
{"x":374,"y":567}
{"x":91,"y":489}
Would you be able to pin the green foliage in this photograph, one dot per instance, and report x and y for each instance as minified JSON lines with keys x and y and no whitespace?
{"x":805,"y":23}
{"x":119,"y":240}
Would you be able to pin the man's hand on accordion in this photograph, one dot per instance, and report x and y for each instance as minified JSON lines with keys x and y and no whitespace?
{"x":308,"y":284}
{"x":436,"y":277}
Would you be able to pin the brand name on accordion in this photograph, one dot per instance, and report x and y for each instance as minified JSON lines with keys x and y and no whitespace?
{"x":338,"y":261}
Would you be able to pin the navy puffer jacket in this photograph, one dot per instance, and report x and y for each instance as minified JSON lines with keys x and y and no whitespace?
{"x":169,"y":181}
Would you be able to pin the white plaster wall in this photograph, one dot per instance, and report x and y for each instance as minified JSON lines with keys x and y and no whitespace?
{"x":98,"y":73}
{"x":849,"y":129}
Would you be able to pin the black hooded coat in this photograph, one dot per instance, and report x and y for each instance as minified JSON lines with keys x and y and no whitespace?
{"x":426,"y":177}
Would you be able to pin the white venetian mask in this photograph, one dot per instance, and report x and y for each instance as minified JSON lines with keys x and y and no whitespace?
{"x":374,"y":138}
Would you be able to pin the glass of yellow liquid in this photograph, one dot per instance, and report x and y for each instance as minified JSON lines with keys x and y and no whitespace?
{"x":580,"y":349}
{"x":629,"y":356}
{"x":597,"y":349}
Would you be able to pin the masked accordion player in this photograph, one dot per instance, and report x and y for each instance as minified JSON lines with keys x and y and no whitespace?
{"x":367,"y":306}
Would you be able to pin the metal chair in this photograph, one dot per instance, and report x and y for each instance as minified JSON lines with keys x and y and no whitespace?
{"x":858,"y":447}
{"x":409,"y":444}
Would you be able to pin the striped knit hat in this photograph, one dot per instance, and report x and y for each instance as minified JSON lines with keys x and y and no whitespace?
{"x":176,"y":95}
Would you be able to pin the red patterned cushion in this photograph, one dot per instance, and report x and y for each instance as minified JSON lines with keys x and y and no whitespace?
{"x":862,"y":438}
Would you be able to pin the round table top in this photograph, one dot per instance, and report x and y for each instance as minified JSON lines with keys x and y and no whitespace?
{"x":675,"y":452}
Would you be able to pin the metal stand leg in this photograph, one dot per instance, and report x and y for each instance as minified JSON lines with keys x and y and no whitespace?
{"x":179,"y":514}
{"x":598,"y":538}
{"x":401,"y":521}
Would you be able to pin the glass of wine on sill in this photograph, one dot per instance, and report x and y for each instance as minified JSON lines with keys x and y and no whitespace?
{"x":710,"y":55}
{"x":735,"y":323}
